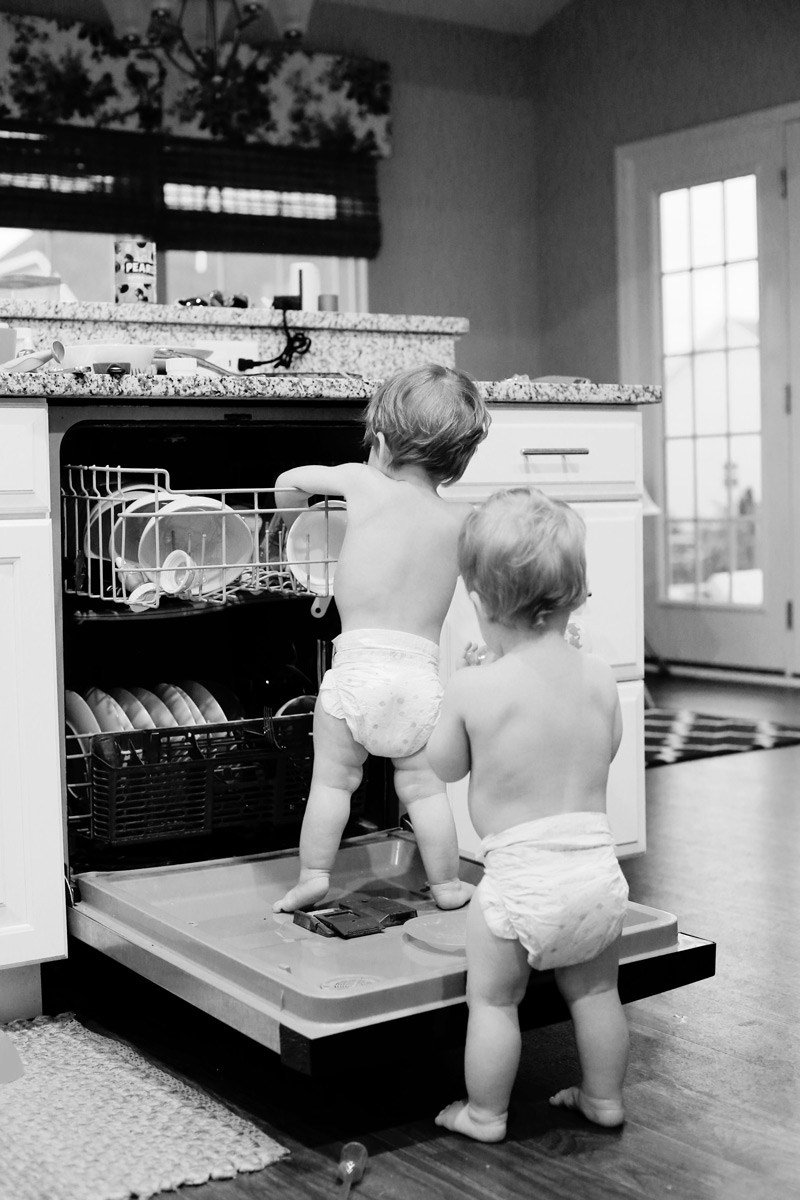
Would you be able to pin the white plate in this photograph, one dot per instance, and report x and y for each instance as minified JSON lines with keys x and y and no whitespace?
{"x":175,"y":703}
{"x":212,"y":533}
{"x":197,"y":715}
{"x":110,"y":717}
{"x":440,"y":930}
{"x":160,"y":715}
{"x":133,"y":708}
{"x":80,"y":717}
{"x":314,"y":543}
{"x":226,"y":698}
{"x":211,"y":710}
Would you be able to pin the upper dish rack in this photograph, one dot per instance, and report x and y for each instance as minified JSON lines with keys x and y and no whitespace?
{"x":131,"y":539}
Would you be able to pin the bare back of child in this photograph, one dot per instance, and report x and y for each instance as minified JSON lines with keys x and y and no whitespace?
{"x":536,"y":726}
{"x":395,"y":579}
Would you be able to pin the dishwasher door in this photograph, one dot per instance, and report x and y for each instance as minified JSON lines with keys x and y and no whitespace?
{"x":206,"y":932}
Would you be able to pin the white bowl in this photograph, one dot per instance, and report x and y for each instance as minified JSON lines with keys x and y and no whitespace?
{"x":314,"y":543}
{"x":103,"y":514}
{"x":131,"y":523}
{"x":99,"y":355}
{"x":208,"y":531}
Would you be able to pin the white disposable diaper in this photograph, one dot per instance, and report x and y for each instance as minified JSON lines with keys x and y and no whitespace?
{"x":555,"y":885}
{"x":385,"y":684}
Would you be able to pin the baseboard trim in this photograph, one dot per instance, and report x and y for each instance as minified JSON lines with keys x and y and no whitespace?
{"x":723,"y":674}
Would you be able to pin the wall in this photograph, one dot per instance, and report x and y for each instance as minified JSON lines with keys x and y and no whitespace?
{"x":607,"y":72}
{"x":457,"y":195}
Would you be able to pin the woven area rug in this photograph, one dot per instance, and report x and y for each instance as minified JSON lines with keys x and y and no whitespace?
{"x":673,"y":735}
{"x":91,"y":1119}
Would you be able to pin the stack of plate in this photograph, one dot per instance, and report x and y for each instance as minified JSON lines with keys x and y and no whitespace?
{"x":164,"y":706}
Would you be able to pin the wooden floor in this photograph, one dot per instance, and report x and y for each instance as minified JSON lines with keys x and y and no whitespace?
{"x":712,"y":1092}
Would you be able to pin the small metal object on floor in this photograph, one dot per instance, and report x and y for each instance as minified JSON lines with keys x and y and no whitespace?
{"x":352,"y":1162}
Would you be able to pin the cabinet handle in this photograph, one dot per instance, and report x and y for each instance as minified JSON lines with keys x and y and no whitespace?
{"x":555,"y":450}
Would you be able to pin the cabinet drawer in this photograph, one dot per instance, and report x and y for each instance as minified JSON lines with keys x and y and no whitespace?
{"x":562,"y":452}
{"x":24,"y":472}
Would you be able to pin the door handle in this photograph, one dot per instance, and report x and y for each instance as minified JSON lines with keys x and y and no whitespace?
{"x":555,"y":450}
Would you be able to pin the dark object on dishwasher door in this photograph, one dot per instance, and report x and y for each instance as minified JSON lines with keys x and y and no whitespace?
{"x":356,"y":915}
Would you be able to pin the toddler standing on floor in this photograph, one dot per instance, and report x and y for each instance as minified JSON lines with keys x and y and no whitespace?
{"x":536,"y":725}
{"x":395,"y":579}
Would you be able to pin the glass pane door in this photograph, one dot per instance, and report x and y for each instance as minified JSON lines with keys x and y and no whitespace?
{"x":705,"y":311}
{"x":712,"y":402}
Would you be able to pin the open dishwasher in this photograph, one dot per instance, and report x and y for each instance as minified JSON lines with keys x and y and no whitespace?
{"x":195,"y":629}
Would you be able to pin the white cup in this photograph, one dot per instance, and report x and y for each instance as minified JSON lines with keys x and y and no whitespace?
{"x":178,"y":572}
{"x":144,"y":597}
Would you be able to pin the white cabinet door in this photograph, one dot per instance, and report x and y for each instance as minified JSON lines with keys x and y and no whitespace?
{"x":625,"y":795}
{"x":24,"y":471}
{"x":614,"y":613}
{"x":613,"y":621}
{"x":32,"y":907}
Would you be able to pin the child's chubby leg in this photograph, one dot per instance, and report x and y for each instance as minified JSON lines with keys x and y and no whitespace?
{"x":423,"y":796}
{"x":497,"y":976}
{"x":338,"y":762}
{"x":601,"y":1033}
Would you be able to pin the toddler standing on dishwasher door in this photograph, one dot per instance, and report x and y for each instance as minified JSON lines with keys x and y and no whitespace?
{"x":536,"y":725}
{"x":395,"y":579}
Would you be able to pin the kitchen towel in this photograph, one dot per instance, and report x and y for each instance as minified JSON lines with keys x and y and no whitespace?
{"x":673,"y":735}
{"x":91,"y":1119}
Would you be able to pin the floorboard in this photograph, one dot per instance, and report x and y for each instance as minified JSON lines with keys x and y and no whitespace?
{"x":712,"y":1092}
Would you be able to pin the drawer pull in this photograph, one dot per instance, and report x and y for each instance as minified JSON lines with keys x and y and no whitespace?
{"x":556,"y":450}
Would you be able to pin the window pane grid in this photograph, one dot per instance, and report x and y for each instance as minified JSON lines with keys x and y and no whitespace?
{"x":712,"y":409}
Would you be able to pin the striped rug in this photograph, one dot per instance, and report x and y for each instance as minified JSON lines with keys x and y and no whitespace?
{"x":674,"y":735}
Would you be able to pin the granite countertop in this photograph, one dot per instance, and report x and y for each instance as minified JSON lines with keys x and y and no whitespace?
{"x":226,"y":322}
{"x":66,"y":387}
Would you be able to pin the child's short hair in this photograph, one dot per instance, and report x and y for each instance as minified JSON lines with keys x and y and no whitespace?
{"x":430,"y":415}
{"x":525,"y":556}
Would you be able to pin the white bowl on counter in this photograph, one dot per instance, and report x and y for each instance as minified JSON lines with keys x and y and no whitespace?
{"x":100,"y":355}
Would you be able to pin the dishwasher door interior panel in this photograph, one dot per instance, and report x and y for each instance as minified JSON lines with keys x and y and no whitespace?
{"x":207,"y":932}
{"x":181,"y":838}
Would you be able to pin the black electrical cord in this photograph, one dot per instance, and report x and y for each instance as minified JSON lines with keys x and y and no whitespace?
{"x":297,"y":343}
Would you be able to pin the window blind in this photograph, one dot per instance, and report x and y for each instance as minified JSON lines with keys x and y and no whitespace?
{"x":189,"y":194}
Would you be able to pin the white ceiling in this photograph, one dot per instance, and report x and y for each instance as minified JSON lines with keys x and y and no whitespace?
{"x":506,"y":16}
{"x":521,"y":17}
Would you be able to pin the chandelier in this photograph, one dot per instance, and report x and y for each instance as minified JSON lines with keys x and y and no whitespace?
{"x":226,"y":50}
{"x":202,"y":38}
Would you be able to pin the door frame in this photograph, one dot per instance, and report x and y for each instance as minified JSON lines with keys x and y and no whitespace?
{"x":638,"y":168}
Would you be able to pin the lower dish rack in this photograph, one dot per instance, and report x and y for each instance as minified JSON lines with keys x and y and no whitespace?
{"x":160,"y":784}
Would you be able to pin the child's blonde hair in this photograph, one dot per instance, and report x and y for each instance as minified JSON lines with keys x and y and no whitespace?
{"x":525,"y":556}
{"x":431,"y":416}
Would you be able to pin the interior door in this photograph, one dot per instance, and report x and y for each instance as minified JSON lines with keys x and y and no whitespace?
{"x":704,"y":298}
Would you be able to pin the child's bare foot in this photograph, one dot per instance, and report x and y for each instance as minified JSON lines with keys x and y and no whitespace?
{"x":311,"y":887}
{"x":460,"y":1117}
{"x":602,"y":1112}
{"x":453,"y":893}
